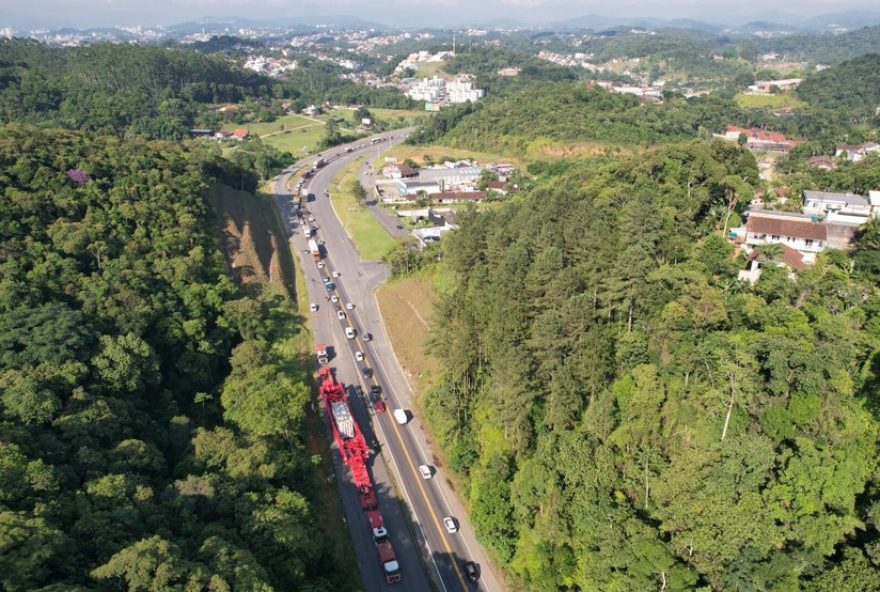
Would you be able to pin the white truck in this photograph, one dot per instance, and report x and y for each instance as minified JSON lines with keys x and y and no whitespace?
{"x":401,"y":416}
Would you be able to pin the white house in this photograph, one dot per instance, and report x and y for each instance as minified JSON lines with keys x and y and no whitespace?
{"x":797,"y":231}
{"x":856,"y":152}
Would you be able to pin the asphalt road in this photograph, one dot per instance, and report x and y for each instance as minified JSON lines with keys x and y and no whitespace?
{"x":402,"y":448}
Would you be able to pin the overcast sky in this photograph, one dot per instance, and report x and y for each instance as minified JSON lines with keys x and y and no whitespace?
{"x":92,"y":13}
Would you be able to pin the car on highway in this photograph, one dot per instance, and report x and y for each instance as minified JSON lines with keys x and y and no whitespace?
{"x":320,"y":265}
{"x":368,"y":336}
{"x":471,"y":571}
{"x":367,"y":372}
{"x":334,"y":298}
{"x":349,"y":306}
{"x":340,"y":314}
{"x":311,"y":218}
{"x":335,"y":274}
{"x":329,"y":285}
{"x":376,"y":400}
{"x":426,"y":471}
{"x":359,"y":356}
{"x":314,"y":307}
{"x":376,"y":389}
{"x":450,"y":524}
{"x":325,"y":279}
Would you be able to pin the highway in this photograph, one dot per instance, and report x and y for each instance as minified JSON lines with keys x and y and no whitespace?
{"x":430,"y":552}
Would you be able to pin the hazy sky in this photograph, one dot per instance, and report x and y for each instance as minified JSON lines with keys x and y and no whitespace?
{"x":89,"y":13}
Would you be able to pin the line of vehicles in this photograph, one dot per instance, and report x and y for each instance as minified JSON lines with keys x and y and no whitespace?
{"x":344,"y":427}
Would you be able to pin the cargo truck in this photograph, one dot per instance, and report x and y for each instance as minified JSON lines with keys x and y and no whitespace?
{"x":315,"y":249}
{"x":390,"y":566}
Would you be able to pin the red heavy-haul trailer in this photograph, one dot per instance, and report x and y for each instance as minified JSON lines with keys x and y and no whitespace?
{"x":353,"y":448}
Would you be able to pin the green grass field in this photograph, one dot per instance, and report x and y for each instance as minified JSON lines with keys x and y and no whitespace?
{"x":783,"y":101}
{"x":394,"y":116}
{"x":369,"y":237}
{"x":435,"y":152}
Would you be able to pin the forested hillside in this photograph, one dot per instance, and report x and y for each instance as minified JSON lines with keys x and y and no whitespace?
{"x":152,"y":91}
{"x":571,"y":112}
{"x":852,"y":87}
{"x":119,"y":88}
{"x":151,"y":436}
{"x":627,"y":416}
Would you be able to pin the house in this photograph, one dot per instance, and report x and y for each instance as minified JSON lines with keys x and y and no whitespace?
{"x":797,"y":231}
{"x":240,"y":133}
{"x":312,"y":111}
{"x":766,"y":86}
{"x":499,"y":187}
{"x":856,"y":152}
{"x":223,"y":134}
{"x":411,"y":188}
{"x":791,"y":258}
{"x":457,"y":196}
{"x":758,"y":139}
{"x":201,"y":133}
{"x":822,"y":162}
{"x":821,"y":203}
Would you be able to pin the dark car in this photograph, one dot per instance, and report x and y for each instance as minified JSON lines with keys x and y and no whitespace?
{"x":471,"y":571}
{"x":368,"y":336}
{"x":367,"y":372}
{"x":376,"y":398}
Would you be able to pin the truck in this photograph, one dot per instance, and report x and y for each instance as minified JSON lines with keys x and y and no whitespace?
{"x":307,"y":230}
{"x":390,"y":566}
{"x":321,"y":353}
{"x":400,"y":416}
{"x":318,"y":164}
{"x":315,"y":249}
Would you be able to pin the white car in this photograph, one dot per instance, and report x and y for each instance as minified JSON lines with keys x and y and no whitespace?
{"x":349,"y":306}
{"x":450,"y":524}
{"x":335,"y":274}
{"x":426,"y":471}
{"x":359,"y":356}
{"x":314,"y":307}
{"x":334,"y":298}
{"x":311,"y":218}
{"x":340,"y":314}
{"x":320,"y":265}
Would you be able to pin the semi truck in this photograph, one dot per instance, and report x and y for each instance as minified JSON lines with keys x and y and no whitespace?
{"x":315,"y":249}
{"x":390,"y":566}
{"x":318,"y":164}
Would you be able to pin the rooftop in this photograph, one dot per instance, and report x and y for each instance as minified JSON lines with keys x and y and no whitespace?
{"x":797,"y":226}
{"x":850,"y":199}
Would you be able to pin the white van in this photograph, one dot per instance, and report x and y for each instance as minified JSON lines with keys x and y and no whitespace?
{"x":349,"y":332}
{"x":401,"y":416}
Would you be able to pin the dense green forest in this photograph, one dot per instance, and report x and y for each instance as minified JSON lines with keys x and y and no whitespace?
{"x":572,"y":112}
{"x":852,"y":87}
{"x":151,"y":436}
{"x":151,"y":91}
{"x":628,"y":416}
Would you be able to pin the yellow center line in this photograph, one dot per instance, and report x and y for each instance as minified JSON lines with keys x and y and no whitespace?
{"x":409,"y":459}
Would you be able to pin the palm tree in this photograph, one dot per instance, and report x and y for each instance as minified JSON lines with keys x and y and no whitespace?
{"x":769,"y":253}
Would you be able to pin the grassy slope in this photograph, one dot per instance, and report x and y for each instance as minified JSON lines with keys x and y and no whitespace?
{"x":369,"y":237}
{"x":436,"y":152}
{"x":407,"y":307}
